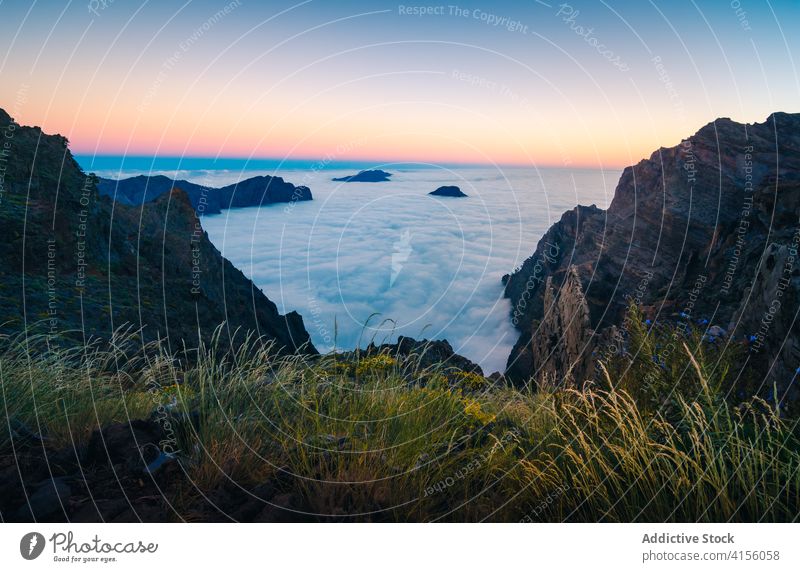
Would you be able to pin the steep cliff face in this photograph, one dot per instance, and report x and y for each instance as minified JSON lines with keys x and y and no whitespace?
{"x":703,"y":230}
{"x":80,"y":265}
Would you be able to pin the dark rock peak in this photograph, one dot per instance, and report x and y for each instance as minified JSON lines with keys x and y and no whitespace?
{"x":373,"y":176}
{"x":783,"y":119}
{"x":702,"y":212}
{"x":430,"y":353}
{"x":261,"y":190}
{"x":448,"y":191}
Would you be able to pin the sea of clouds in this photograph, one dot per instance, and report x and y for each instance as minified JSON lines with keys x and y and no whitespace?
{"x":371,"y":261}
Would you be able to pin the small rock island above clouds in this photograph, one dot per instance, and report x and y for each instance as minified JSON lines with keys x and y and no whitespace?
{"x":448,"y":191}
{"x":374,"y":176}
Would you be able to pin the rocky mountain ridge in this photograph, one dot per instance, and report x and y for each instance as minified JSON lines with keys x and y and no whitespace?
{"x":252,"y":192}
{"x":703,"y":233}
{"x":78,"y":265}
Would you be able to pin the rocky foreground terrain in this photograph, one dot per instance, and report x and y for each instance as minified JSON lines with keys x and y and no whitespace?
{"x":75,"y":264}
{"x":701,"y":235}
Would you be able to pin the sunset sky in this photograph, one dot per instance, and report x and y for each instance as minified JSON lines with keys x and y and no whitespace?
{"x":523,"y":82}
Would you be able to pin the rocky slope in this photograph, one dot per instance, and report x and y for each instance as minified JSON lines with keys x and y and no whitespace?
{"x":77,"y":264}
{"x":252,"y":192}
{"x":121,"y":475}
{"x":705,"y":230}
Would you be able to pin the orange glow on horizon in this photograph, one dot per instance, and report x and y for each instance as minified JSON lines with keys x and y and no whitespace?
{"x":92,"y":136}
{"x":402,"y":131}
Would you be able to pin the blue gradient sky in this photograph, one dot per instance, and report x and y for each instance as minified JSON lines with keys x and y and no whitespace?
{"x":359,"y":80}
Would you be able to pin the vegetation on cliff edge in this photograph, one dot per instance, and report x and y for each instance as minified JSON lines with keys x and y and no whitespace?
{"x":377,"y":437}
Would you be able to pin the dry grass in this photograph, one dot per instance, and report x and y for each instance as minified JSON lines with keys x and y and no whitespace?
{"x":380,"y":438}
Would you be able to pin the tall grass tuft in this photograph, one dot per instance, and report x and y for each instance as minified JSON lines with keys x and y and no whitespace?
{"x":377,"y":436}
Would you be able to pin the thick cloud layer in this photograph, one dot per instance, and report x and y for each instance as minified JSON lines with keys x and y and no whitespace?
{"x":369,"y":261}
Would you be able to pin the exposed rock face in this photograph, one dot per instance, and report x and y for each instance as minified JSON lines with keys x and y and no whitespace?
{"x":707,"y":228}
{"x":563,"y":333}
{"x":431,"y":353}
{"x":426,"y":354}
{"x":374,"y":176}
{"x":81,"y":265}
{"x":252,"y":192}
{"x":448,"y":191}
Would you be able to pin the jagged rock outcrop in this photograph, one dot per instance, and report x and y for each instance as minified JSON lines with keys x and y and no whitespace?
{"x":563,"y":335}
{"x":79,"y":265}
{"x":433,"y":355}
{"x":702,"y":229}
{"x":252,"y":192}
{"x":429,"y":353}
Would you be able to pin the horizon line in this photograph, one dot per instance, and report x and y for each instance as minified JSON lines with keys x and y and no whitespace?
{"x":111,"y":161}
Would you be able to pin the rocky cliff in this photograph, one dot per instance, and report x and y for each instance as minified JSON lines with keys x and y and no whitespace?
{"x":78,"y":265}
{"x":705,"y":232}
{"x":252,"y":192}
